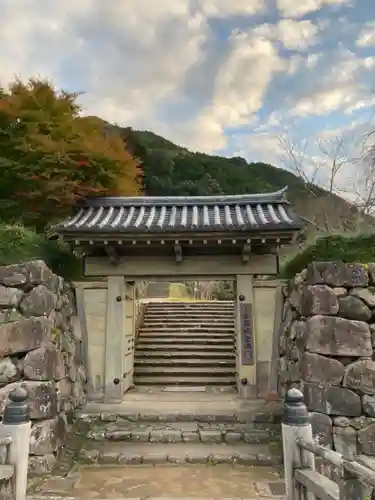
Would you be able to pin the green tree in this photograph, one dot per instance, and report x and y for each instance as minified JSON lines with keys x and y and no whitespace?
{"x":50,"y":157}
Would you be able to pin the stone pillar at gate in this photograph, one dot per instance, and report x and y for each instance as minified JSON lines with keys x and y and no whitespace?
{"x":245,"y":338}
{"x":114,"y":340}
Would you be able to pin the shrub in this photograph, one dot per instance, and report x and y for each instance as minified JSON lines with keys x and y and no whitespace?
{"x":348,"y":247}
{"x":19,"y":244}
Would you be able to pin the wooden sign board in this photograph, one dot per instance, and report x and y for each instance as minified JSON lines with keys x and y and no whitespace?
{"x":246,"y":332}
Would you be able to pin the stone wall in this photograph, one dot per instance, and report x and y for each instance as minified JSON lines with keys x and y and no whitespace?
{"x":40,"y":348}
{"x":327,"y":350}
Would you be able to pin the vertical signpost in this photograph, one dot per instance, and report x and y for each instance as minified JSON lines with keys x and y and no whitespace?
{"x":247,"y":338}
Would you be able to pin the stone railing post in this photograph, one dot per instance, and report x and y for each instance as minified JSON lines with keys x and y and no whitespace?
{"x":16,"y":424}
{"x":296,"y":424}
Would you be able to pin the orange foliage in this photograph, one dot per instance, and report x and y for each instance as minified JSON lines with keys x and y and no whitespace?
{"x":50,"y":157}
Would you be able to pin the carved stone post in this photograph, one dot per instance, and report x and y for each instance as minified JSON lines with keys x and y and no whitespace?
{"x":16,"y":424}
{"x":296,"y":425}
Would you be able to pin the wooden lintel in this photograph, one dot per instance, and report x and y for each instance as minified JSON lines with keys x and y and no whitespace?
{"x":178,"y":252}
{"x":113,"y":256}
{"x":246,"y":252}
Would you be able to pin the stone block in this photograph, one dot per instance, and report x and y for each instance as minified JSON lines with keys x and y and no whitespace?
{"x":335,"y":336}
{"x":43,"y":439}
{"x":190,"y":436}
{"x":64,"y":393}
{"x":14,"y":275}
{"x":332,"y":400}
{"x":361,"y":376}
{"x":210,"y":436}
{"x":322,"y":428}
{"x":368,"y":404}
{"x":109,"y":457}
{"x":8,"y":372}
{"x":318,"y":368}
{"x":24,"y":335}
{"x":118,"y":435}
{"x":352,"y":307}
{"x":371,"y":272}
{"x":38,"y":302}
{"x":9,"y":297}
{"x":367,"y":295}
{"x":345,"y":441}
{"x":45,"y":363}
{"x":318,"y":299}
{"x":366,"y":440}
{"x":336,"y":274}
{"x":130,"y":459}
{"x":165,"y":436}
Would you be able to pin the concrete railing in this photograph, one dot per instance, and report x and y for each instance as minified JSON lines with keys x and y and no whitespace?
{"x":303,"y":481}
{"x":14,"y":446}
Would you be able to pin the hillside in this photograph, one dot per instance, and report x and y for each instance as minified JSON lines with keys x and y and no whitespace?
{"x":172,"y":170}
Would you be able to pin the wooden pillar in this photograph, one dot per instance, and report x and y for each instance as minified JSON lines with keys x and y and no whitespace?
{"x":114,"y":339}
{"x":245,"y":337}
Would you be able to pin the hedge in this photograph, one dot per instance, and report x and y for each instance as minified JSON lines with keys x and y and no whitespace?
{"x":348,"y":247}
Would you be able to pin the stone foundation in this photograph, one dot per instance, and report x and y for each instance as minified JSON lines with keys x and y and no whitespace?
{"x":40,"y":349}
{"x":327,"y":350}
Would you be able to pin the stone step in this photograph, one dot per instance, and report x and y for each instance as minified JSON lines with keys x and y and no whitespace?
{"x":185,"y":333}
{"x":194,"y":327}
{"x":184,"y":354}
{"x":177,"y":453}
{"x":184,"y":340}
{"x":176,"y":360}
{"x":175,"y":346}
{"x":168,"y":407}
{"x":215,"y":317}
{"x":186,"y":309}
{"x":192,"y":303}
{"x":188,"y":323}
{"x":187,"y":380}
{"x":174,"y":318}
{"x":191,"y":371}
{"x":181,"y":432}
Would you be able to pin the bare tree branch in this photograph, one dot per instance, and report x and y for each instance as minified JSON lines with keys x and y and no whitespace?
{"x":319,"y":163}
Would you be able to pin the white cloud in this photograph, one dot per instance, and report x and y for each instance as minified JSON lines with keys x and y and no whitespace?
{"x":225,"y":8}
{"x":295,"y":35}
{"x":156,"y":65}
{"x":298,"y":8}
{"x":243,"y":78}
{"x":339,"y":87}
{"x":367,"y":36}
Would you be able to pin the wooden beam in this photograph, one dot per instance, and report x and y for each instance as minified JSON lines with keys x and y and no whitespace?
{"x":138,"y":266}
{"x":113,"y":256}
{"x":246,"y":252}
{"x":178,"y":252}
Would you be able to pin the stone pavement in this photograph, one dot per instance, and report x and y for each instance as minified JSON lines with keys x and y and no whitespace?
{"x":183,"y":482}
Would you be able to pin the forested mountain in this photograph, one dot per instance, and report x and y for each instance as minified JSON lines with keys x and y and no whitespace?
{"x":173,"y":170}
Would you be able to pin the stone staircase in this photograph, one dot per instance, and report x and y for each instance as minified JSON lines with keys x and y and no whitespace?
{"x":159,"y":426}
{"x":186,"y":344}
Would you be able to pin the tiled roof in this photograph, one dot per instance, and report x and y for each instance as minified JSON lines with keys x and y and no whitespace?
{"x":253,"y":212}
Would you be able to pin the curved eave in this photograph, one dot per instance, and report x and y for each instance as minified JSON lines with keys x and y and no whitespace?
{"x":147,"y":201}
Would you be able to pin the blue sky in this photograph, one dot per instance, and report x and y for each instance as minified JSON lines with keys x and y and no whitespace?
{"x":220,"y":76}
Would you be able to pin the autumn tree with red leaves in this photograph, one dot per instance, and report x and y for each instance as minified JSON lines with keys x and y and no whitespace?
{"x":51,"y":158}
